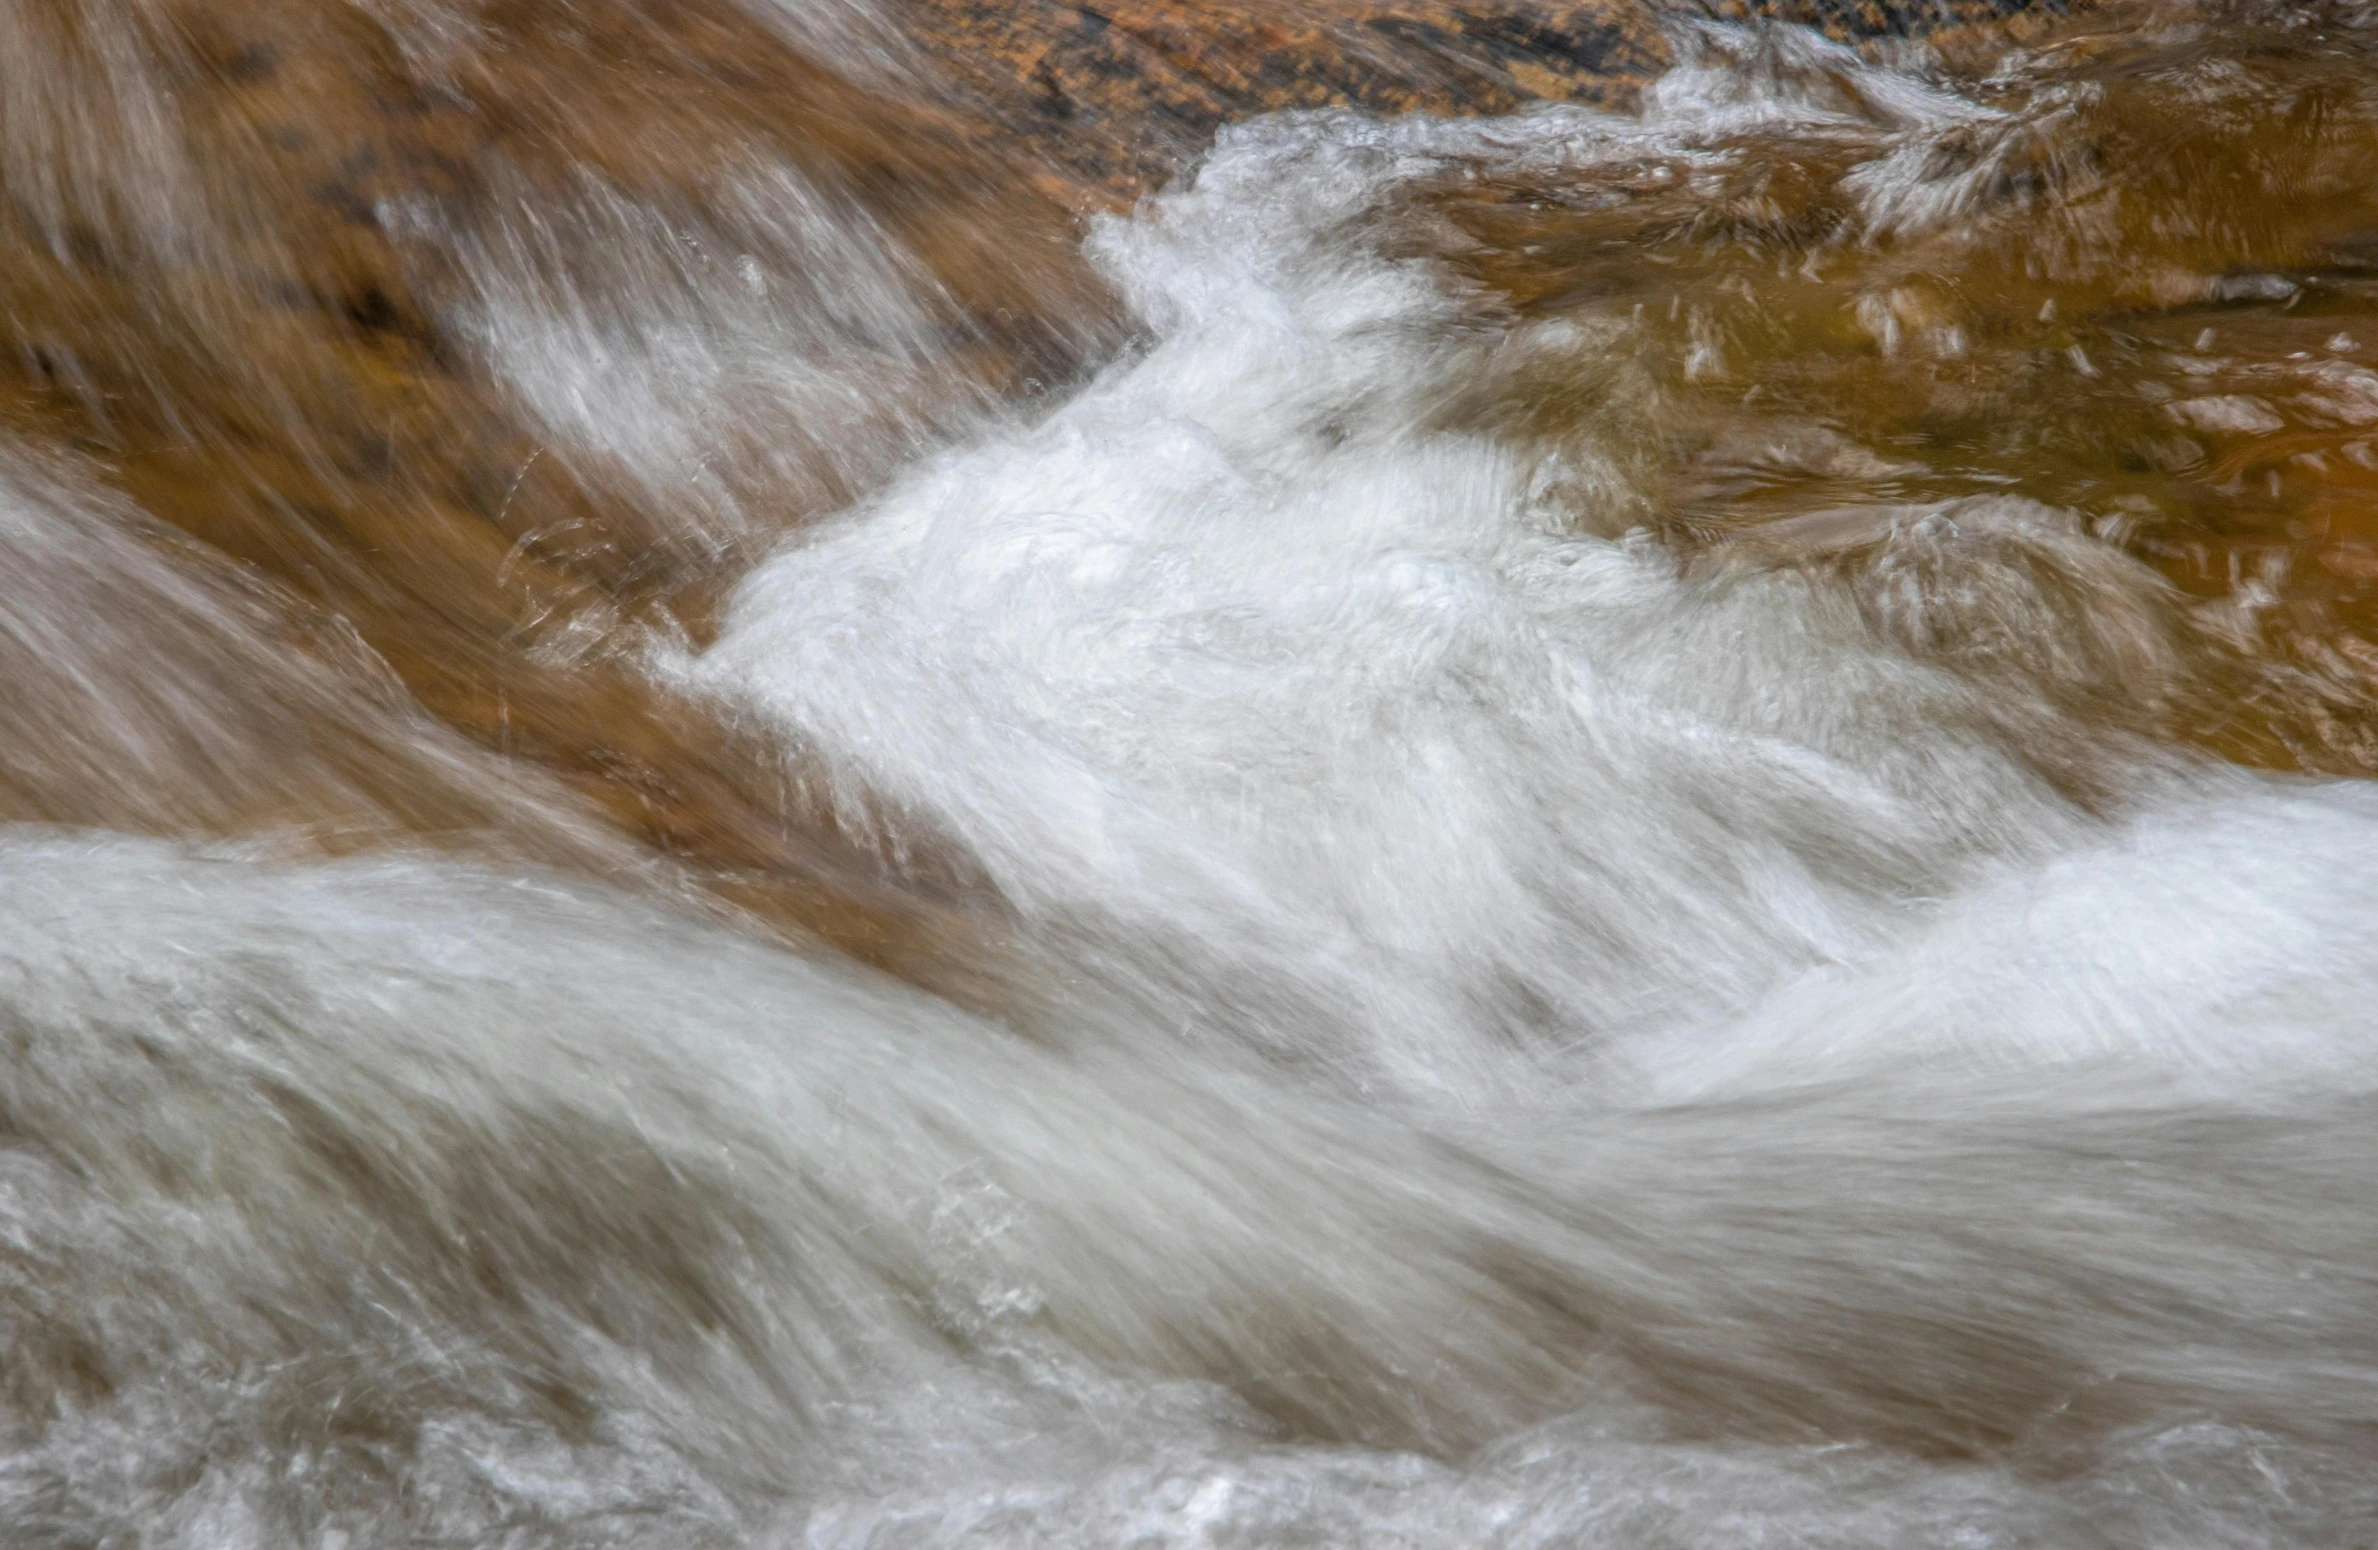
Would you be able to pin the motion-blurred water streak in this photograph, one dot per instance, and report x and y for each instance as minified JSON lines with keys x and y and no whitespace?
{"x":1366,"y":772}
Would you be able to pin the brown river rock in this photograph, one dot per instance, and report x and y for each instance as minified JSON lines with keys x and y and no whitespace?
{"x":1120,"y":94}
{"x":236,"y":296}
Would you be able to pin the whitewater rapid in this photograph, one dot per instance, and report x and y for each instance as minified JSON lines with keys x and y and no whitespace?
{"x":1509,"y":1029}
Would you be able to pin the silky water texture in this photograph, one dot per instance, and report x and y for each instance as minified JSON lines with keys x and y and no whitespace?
{"x":1514,"y":1023}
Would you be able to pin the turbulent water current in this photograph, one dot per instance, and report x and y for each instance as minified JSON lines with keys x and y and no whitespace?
{"x":741,"y":805}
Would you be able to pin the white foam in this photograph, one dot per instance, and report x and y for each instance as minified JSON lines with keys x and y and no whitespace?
{"x":1321,"y":728}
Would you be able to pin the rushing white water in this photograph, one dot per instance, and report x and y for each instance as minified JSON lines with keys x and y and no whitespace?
{"x":1522,"y":1035}
{"x":782,"y":341}
{"x":1315,"y":725}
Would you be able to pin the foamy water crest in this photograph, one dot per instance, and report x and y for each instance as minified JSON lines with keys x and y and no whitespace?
{"x":1519,"y":1026}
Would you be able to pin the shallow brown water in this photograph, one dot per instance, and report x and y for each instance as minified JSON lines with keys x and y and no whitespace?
{"x":241,"y":294}
{"x":226,"y":303}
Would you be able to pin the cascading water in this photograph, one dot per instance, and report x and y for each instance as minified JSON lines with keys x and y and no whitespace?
{"x":1630,"y":823}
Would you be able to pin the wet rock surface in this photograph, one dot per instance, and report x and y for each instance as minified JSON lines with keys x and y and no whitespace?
{"x":242,"y":296}
{"x":1118,"y":94}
